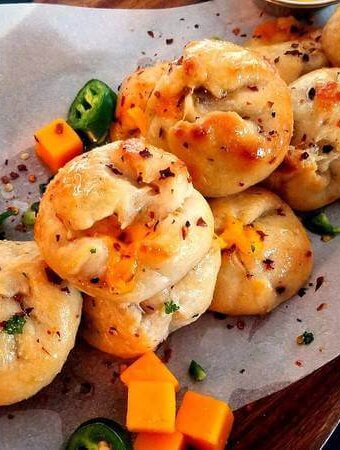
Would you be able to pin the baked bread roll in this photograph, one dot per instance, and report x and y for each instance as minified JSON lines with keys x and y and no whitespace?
{"x":292,"y":49}
{"x":128,"y":330}
{"x":222,"y":109}
{"x":39,"y":318}
{"x":331,"y":38}
{"x":266,"y":253}
{"x":123,"y":222}
{"x":309,"y":177}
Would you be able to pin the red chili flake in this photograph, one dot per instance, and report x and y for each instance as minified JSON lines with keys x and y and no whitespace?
{"x":321,"y":306}
{"x":161,"y":133}
{"x":308,"y":253}
{"x":151,"y":33}
{"x":10,"y":416}
{"x":255,"y":89}
{"x":311,"y":93}
{"x":298,"y":363}
{"x":145,"y":153}
{"x":32,"y":178}
{"x":268,"y":264}
{"x":95,"y":280}
{"x":201,"y":222}
{"x":59,"y":128}
{"x":273,"y":114}
{"x":18,"y":297}
{"x":243,"y":35}
{"x":280,"y":289}
{"x":22,"y":168}
{"x":240,"y":325}
{"x":5,"y":179}
{"x":241,"y":184}
{"x":262,"y":234}
{"x":293,"y":52}
{"x":165,"y":173}
{"x":166,"y":355}
{"x":276,"y":60}
{"x":185,"y":145}
{"x":52,"y":276}
{"x":57,"y":237}
{"x":184,"y":232}
{"x":113,"y":331}
{"x":65,"y":289}
{"x":230,"y":250}
{"x":236,"y":31}
{"x":140,"y":179}
{"x":242,"y":371}
{"x":280,"y":212}
{"x":28,"y":310}
{"x":157,"y":94}
{"x":230,"y":326}
{"x":304,"y":155}
{"x":114,"y":169}
{"x":305,"y":57}
{"x":14,"y":175}
{"x":302,"y":291}
{"x":319,"y":283}
{"x":169,"y":41}
{"x":117,"y":246}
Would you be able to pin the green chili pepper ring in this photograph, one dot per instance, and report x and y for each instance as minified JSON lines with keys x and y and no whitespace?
{"x":89,"y":434}
{"x":92,"y":110}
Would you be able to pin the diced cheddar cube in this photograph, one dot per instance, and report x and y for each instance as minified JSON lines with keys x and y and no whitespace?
{"x":148,"y":368}
{"x":154,"y":441}
{"x":151,"y":407}
{"x":205,"y":422}
{"x":57,"y":143}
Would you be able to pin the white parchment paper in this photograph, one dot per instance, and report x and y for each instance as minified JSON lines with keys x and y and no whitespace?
{"x":46,"y":54}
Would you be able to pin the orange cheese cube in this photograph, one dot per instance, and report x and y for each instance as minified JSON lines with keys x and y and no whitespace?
{"x":154,"y":441}
{"x":205,"y":422}
{"x":57,"y":143}
{"x":148,"y":368}
{"x":151,"y":407}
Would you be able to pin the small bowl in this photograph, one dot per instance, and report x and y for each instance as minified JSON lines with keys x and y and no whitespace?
{"x":298,"y":4}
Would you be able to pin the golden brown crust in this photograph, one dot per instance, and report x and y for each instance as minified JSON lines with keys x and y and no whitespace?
{"x":120,"y":222}
{"x":224,"y":111}
{"x":29,"y":361}
{"x":266,"y":255}
{"x":309,"y":177}
{"x":331,"y":38}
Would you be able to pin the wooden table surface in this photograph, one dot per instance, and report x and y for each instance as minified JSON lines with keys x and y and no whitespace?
{"x":300,"y":417}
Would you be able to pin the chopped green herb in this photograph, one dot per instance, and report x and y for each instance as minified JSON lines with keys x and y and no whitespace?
{"x":6,"y":214}
{"x":171,"y":307}
{"x":320,"y":224}
{"x":93,"y":250}
{"x":305,"y":339}
{"x":196,"y":371}
{"x":15,"y":324}
{"x":253,"y":248}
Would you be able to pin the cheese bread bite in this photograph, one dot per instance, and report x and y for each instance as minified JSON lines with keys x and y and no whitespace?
{"x":331,"y":38}
{"x":291,"y":48}
{"x":309,"y":177}
{"x":222,"y":109}
{"x":129,"y":329}
{"x":39,"y":318}
{"x":266,"y":254}
{"x":123,"y":222}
